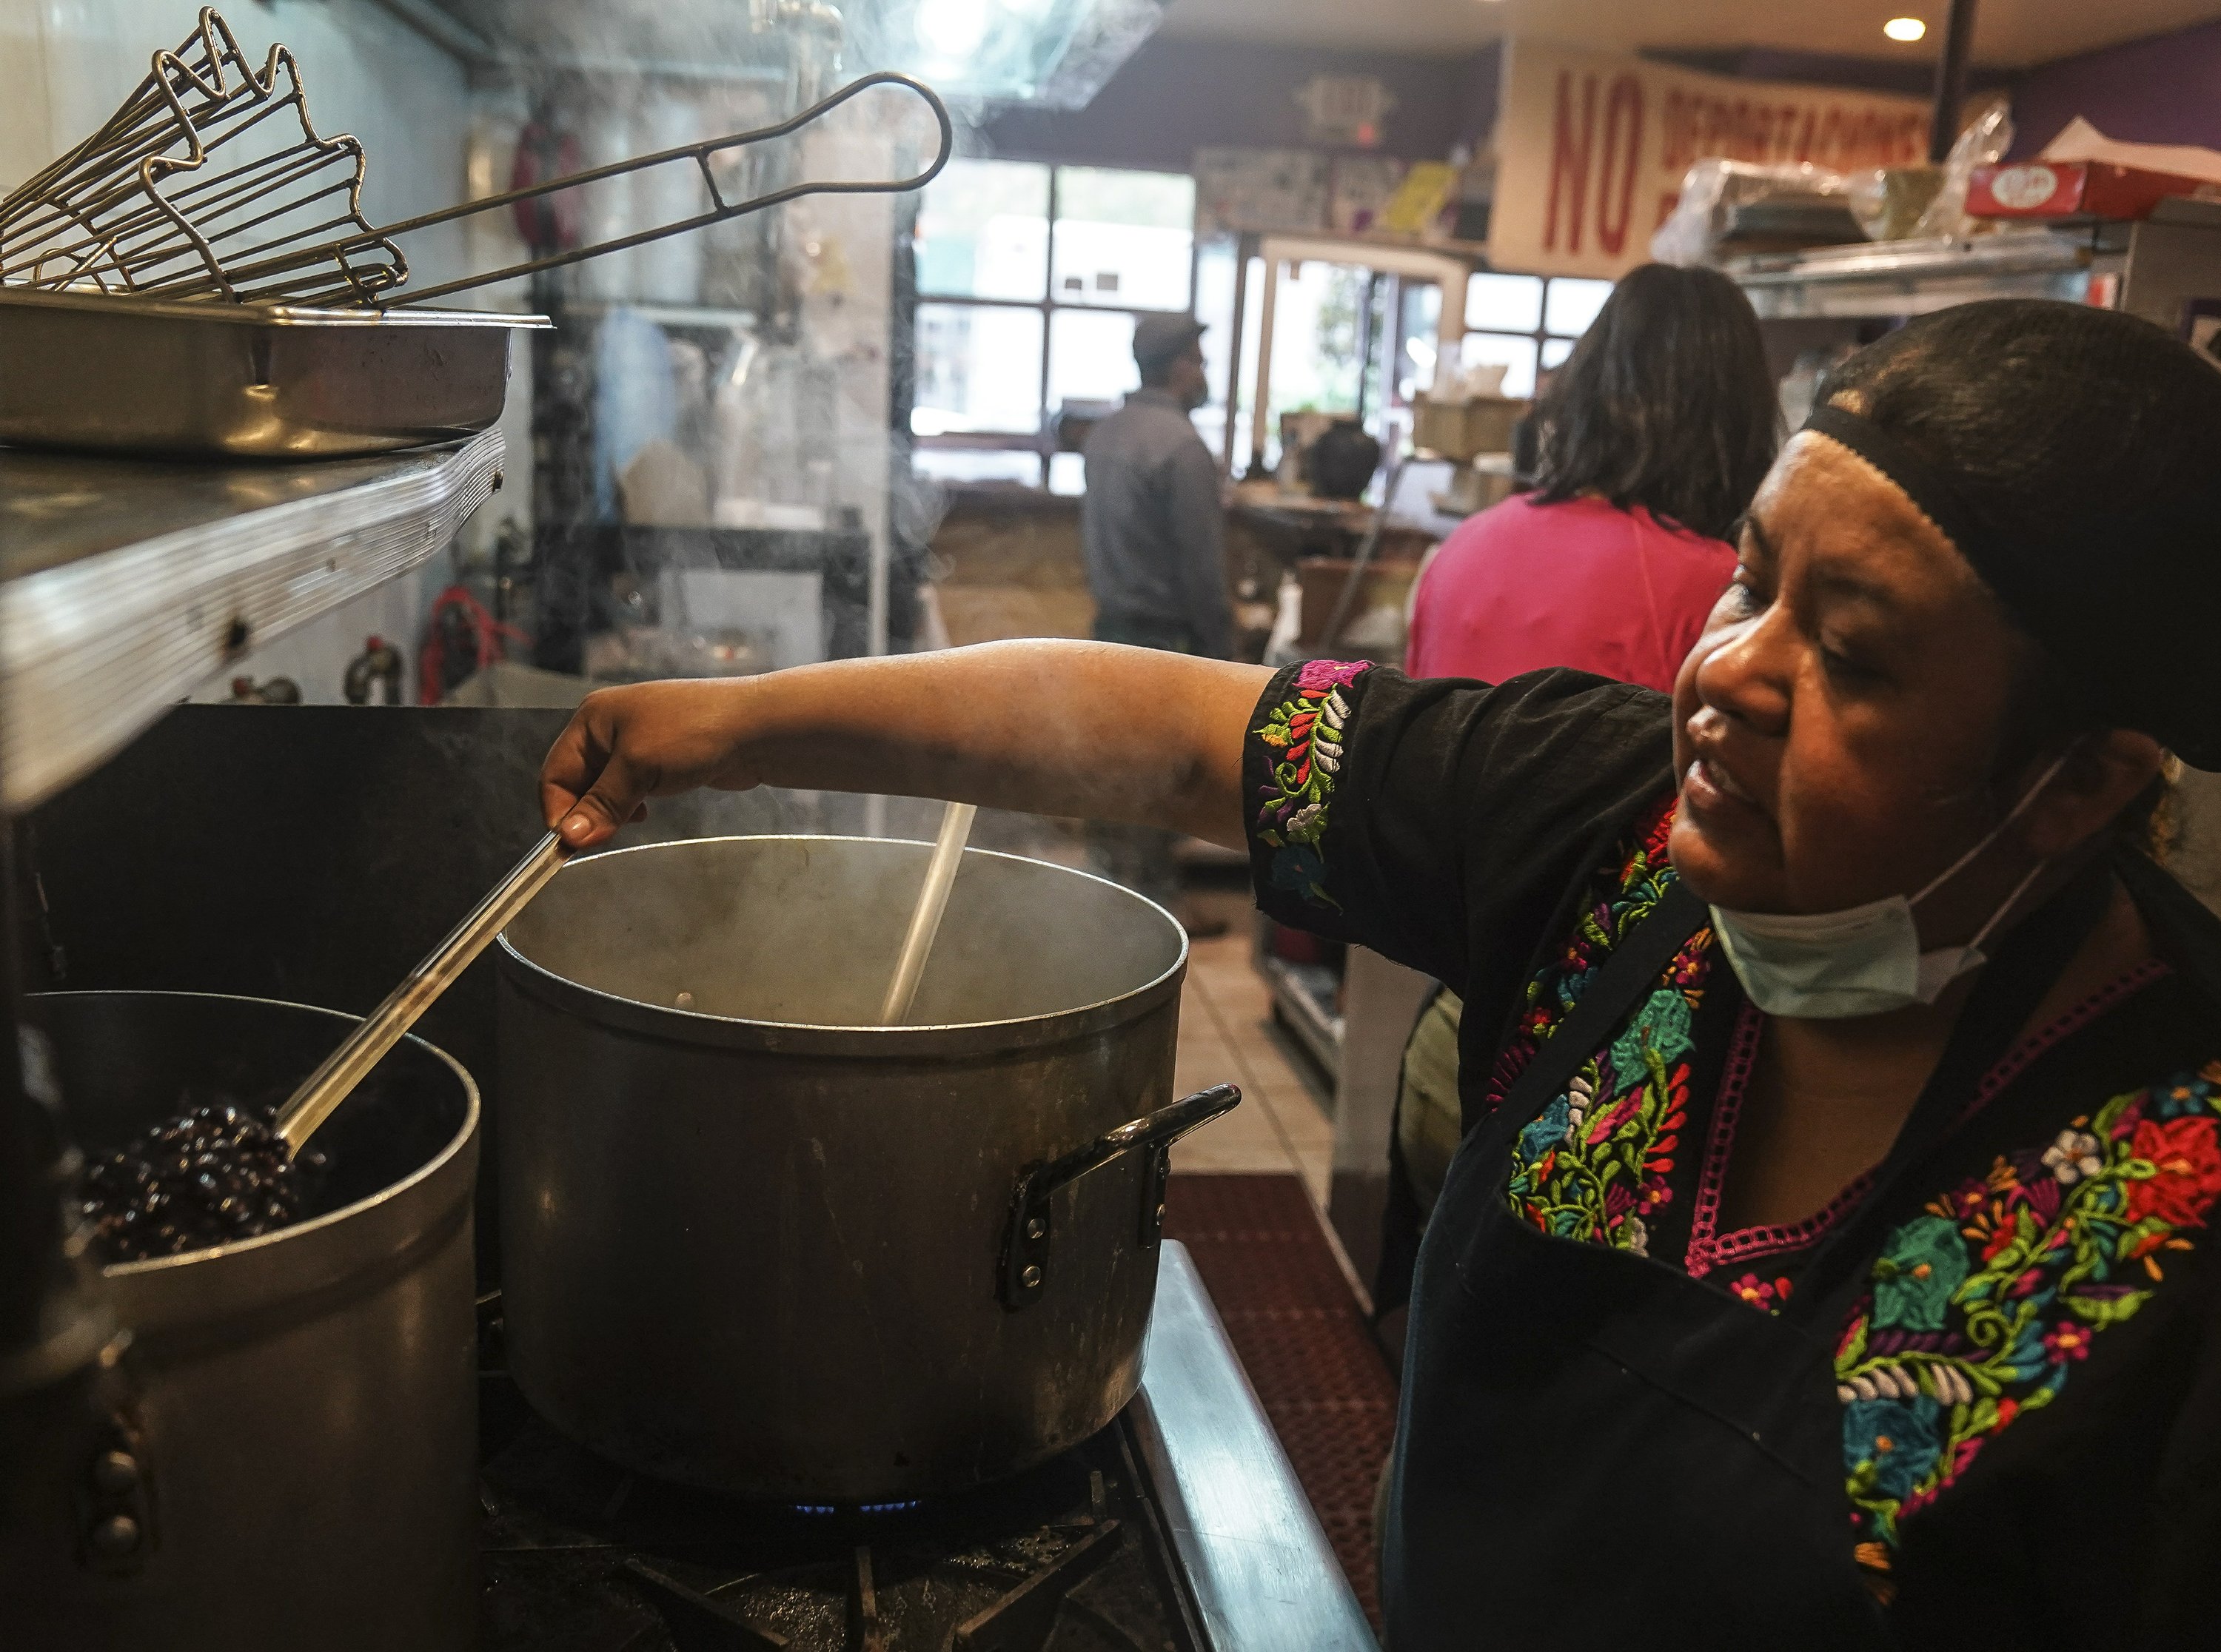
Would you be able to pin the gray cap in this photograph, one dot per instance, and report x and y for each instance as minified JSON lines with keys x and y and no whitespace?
{"x":1158,"y":338}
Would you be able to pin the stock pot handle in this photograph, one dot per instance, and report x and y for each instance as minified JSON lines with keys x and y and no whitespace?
{"x":1024,"y":1270}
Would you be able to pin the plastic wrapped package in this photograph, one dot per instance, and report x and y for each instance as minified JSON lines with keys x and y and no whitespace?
{"x":1732,"y":206}
{"x":1928,"y":202}
{"x":1986,"y":139}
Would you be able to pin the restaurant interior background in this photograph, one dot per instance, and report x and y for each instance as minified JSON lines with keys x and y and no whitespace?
{"x":852,"y":425}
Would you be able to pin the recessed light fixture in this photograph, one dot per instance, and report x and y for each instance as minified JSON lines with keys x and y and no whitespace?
{"x":1904,"y":29}
{"x":952,"y":29}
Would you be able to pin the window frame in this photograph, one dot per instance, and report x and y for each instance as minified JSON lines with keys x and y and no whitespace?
{"x":1541,"y":334}
{"x":1041,"y":442}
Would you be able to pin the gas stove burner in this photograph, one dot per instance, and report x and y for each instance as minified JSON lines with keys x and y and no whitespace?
{"x":581,"y":1554}
{"x":698,"y":1622}
{"x":1023,"y":1616}
{"x":836,"y":1509}
{"x":1100,"y":1549}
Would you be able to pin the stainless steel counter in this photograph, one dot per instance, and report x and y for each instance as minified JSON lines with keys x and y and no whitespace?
{"x":1263,"y":1573}
{"x":129,"y":584}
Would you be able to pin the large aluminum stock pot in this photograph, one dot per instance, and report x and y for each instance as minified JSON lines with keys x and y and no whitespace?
{"x":755,"y":1242}
{"x":289,"y":1458}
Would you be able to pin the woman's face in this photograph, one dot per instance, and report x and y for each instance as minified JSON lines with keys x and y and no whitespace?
{"x":1837,"y":726}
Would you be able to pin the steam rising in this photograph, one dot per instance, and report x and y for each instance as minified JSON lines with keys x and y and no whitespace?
{"x":743,"y":373}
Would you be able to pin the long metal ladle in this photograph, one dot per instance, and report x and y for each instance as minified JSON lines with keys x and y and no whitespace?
{"x":925,"y":917}
{"x":322,"y":1091}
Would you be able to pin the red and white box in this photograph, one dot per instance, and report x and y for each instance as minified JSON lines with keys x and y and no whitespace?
{"x":2075,"y":188}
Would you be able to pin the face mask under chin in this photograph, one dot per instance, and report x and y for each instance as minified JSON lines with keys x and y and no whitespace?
{"x":1863,"y":960}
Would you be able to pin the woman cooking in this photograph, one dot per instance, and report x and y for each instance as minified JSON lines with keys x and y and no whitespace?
{"x":1826,"y":1262}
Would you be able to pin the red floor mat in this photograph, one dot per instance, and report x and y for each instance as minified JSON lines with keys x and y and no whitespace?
{"x":1290,"y":1317}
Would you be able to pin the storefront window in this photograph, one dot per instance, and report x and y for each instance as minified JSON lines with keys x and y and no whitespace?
{"x":983,"y":231}
{"x":1504,"y":303}
{"x":1030,"y":279}
{"x":978,"y":465}
{"x":1526,"y":323}
{"x":965,"y":379}
{"x":1573,"y":304}
{"x":1125,"y":240}
{"x":1515,"y":355}
{"x":1091,"y":357}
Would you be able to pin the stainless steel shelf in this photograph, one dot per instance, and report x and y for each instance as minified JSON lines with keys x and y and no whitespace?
{"x":1265,"y":1576}
{"x":125,"y":585}
{"x":1912,"y":277}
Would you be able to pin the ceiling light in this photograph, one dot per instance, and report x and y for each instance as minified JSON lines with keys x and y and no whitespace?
{"x":1904,"y":29}
{"x":953,"y":28}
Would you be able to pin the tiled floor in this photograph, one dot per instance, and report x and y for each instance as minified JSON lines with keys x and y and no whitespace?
{"x":1227,"y":1035}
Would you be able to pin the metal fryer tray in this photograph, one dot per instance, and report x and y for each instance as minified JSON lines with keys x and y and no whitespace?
{"x":87,"y":370}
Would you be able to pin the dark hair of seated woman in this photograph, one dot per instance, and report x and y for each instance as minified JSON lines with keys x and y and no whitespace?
{"x":1666,"y":402}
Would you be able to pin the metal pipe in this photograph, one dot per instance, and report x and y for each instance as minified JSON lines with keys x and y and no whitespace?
{"x":1366,"y":338}
{"x":1951,"y":80}
{"x":1260,"y":411}
{"x":1243,"y":250}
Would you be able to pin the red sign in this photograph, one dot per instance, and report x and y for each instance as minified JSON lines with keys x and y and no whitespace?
{"x":1591,"y":148}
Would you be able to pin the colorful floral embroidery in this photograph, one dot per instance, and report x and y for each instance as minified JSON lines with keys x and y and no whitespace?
{"x":1598,"y":1161}
{"x":1307,"y":731}
{"x":1623,"y":893}
{"x":1978,"y":1309}
{"x":1767,"y":1293}
{"x":1983,"y":1305}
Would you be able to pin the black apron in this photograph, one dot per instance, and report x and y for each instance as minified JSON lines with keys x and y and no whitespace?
{"x":1597,"y":1451}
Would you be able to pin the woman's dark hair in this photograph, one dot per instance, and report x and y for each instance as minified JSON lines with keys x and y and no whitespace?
{"x":1666,"y":402}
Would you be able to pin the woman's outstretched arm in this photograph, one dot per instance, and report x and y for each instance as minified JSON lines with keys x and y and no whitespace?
{"x":1072,"y":728}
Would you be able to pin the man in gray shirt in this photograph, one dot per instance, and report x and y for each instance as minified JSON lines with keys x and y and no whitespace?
{"x":1151,"y":523}
{"x":1154,"y":535}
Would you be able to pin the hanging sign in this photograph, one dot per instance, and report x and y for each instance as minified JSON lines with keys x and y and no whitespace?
{"x":1592,"y":148}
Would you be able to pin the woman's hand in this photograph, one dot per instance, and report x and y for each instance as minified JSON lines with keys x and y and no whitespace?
{"x":645,"y":739}
{"x":1050,"y":727}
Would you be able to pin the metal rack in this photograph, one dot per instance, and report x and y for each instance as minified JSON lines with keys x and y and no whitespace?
{"x":1913,"y":277}
{"x":2149,"y":268}
{"x":126,"y":584}
{"x":1303,"y":997}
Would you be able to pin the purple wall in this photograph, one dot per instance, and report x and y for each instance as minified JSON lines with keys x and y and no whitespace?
{"x":1175,"y":96}
{"x":2163,"y":89}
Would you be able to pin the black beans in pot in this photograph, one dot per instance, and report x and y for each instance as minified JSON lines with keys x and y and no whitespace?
{"x":216,"y":1173}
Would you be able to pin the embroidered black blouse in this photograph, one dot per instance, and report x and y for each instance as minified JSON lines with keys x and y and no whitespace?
{"x":2030,"y":1376}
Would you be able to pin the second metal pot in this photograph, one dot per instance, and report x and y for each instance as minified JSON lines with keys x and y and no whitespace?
{"x":287,"y":1457}
{"x":760,"y":1244}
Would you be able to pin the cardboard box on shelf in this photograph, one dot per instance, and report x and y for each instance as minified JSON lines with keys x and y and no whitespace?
{"x":1387,"y":585}
{"x":1458,"y":430}
{"x":2075,"y":188}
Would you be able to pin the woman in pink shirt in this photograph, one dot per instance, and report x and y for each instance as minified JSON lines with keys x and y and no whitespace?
{"x":1652,"y":439}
